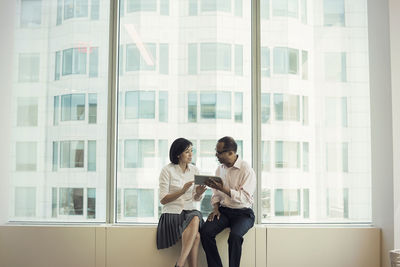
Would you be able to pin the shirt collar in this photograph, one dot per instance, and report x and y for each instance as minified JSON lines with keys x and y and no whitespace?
{"x":236,"y":165}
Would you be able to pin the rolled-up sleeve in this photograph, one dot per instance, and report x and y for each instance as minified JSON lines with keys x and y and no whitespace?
{"x":245,"y":192}
{"x":164,"y":183}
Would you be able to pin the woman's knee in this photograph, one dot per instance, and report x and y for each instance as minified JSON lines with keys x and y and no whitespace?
{"x":195,"y":221}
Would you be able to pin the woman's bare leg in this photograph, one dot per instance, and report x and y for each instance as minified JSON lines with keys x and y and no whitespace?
{"x":188,"y":238}
{"x":192,"y":258}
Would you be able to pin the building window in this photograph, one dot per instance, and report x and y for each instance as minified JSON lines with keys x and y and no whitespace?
{"x":164,"y":7}
{"x":139,"y":203}
{"x":162,"y":153}
{"x":212,"y":5}
{"x":55,"y":156}
{"x":92,"y":108}
{"x":74,"y":61}
{"x":163,"y":106}
{"x":72,"y":154}
{"x":71,"y":201}
{"x":93,"y":62}
{"x":303,"y":11}
{"x":287,"y":202}
{"x":25,"y":202}
{"x":28,"y":67}
{"x":337,"y":157}
{"x":91,"y":203}
{"x":164,"y":59}
{"x":57,"y":73}
{"x":73,"y":107}
{"x":285,"y":8}
{"x":215,"y":105}
{"x":139,"y":153}
{"x":335,"y":67}
{"x":140,"y":105}
{"x":31,"y":13}
{"x":193,"y":7}
{"x":287,"y":107}
{"x":304,"y":65}
{"x":192,"y":107}
{"x":306,"y":161}
{"x":337,"y":203}
{"x":238,"y":8}
{"x":336,"y":112}
{"x":26,"y":156}
{"x":91,"y":156}
{"x":75,"y":9}
{"x":141,"y":57}
{"x":266,"y":155}
{"x":192,"y":58}
{"x":95,"y":10}
{"x":334,"y":13}
{"x":27,"y":111}
{"x":287,"y":154}
{"x":264,"y":6}
{"x":238,"y":107}
{"x":265,"y":203}
{"x":286,"y":60}
{"x":305,"y":110}
{"x":265,"y":107}
{"x":215,"y":56}
{"x":265,"y":62}
{"x":141,"y":5}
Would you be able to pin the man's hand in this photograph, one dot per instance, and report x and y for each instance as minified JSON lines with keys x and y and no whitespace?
{"x":214,"y":213}
{"x":218,"y":185}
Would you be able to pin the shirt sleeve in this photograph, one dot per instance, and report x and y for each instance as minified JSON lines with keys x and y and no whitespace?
{"x":245,"y":192}
{"x":216,"y":196}
{"x":164,"y":183}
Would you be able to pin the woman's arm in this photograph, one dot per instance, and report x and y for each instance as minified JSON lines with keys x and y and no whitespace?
{"x":175,"y":195}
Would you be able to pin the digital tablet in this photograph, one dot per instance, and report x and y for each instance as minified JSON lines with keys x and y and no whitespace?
{"x":201,"y":179}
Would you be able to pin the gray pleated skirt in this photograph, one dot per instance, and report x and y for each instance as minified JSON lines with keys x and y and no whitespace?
{"x":171,"y":226}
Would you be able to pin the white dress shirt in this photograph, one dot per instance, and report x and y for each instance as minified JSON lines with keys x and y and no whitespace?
{"x":172,"y":179}
{"x":241,"y":179}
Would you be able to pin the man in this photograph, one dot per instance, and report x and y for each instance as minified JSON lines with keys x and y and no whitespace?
{"x":232,"y":200}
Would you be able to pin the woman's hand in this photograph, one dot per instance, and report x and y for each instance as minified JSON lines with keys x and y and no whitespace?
{"x":200,"y":190}
{"x":214,"y":213}
{"x":186,"y":186}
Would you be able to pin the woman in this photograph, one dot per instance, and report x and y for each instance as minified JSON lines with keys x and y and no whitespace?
{"x":179,"y":218}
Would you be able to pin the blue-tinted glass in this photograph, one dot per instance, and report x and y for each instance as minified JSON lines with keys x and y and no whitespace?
{"x":132,"y":105}
{"x":306,"y":203}
{"x":95,"y":9}
{"x":68,"y":9}
{"x":192,"y":106}
{"x":164,"y":7}
{"x":213,"y":5}
{"x":265,"y":107}
{"x":280,"y":60}
{"x":239,"y":107}
{"x":208,"y":103}
{"x":141,"y":5}
{"x":25,"y":202}
{"x":345,"y":157}
{"x":78,"y":107}
{"x":56,"y":110}
{"x":66,"y":108}
{"x":264,"y":6}
{"x":163,"y":106}
{"x":92,"y":155}
{"x":215,"y":56}
{"x":93,"y":61}
{"x":81,"y":8}
{"x":238,"y":8}
{"x":91,"y":203}
{"x":58,"y":66}
{"x":59,"y":11}
{"x":192,"y":61}
{"x":305,"y":157}
{"x":55,"y":156}
{"x":147,"y":104}
{"x":224,"y":105}
{"x":293,"y":61}
{"x":142,"y":58}
{"x":278,"y":106}
{"x":265,"y":62}
{"x":92,"y":108}
{"x":79,"y":60}
{"x":334,"y":13}
{"x":193,"y":7}
{"x":164,"y":58}
{"x":278,"y":154}
{"x":67,"y":62}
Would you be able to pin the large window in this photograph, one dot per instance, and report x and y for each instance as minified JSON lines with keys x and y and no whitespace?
{"x":188,"y":69}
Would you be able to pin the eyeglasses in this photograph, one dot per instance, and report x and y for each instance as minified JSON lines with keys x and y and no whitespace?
{"x":220,"y":152}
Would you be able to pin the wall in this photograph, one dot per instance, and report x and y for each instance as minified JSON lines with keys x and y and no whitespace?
{"x":119,"y":246}
{"x":394,"y":10}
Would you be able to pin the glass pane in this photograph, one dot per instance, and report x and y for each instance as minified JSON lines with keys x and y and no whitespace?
{"x":59,"y":111}
{"x":180,"y":79}
{"x":315,"y":112}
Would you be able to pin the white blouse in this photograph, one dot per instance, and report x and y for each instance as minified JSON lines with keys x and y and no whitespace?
{"x":172,"y":179}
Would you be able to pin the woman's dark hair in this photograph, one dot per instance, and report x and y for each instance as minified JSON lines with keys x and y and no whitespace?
{"x":229,"y":143}
{"x":177,"y":148}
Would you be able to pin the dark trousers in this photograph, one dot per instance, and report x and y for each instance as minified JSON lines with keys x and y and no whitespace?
{"x":240,"y":221}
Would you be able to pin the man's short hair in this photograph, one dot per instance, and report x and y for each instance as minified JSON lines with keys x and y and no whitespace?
{"x":229,"y":143}
{"x":177,"y":148}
